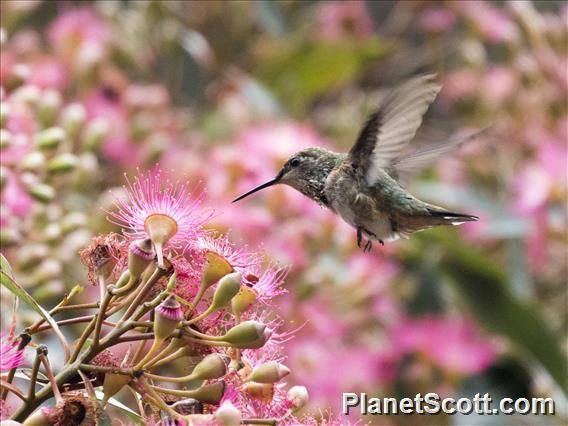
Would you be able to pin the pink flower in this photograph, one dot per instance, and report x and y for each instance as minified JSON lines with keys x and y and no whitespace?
{"x":495,"y":25}
{"x":460,"y":84}
{"x":499,"y":84}
{"x":452,"y":344}
{"x":337,"y":20}
{"x":437,"y":20}
{"x":239,"y":258}
{"x":79,"y":36}
{"x":15,"y":198}
{"x":165,"y":212}
{"x":10,"y":356}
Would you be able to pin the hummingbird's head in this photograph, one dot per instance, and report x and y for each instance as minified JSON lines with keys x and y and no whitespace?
{"x":304,"y":171}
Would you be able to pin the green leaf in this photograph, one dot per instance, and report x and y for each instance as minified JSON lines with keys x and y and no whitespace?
{"x":5,"y":266}
{"x":20,"y":292}
{"x":487,"y":292}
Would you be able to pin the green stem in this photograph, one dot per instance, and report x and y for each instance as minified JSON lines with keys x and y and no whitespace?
{"x":35,"y":368}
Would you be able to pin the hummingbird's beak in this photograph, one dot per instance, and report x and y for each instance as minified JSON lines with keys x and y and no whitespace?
{"x":258,"y":188}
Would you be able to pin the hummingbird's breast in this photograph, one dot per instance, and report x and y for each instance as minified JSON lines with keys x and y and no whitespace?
{"x":348,"y":197}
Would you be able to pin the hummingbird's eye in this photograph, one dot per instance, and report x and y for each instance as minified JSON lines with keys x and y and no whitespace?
{"x":295,"y":162}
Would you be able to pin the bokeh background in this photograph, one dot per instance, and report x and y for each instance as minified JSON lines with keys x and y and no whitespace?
{"x":221,"y":93}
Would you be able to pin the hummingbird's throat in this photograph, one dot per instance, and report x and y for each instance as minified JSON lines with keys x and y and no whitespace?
{"x":160,"y":228}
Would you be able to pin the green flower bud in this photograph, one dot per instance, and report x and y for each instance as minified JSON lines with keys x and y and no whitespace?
{"x":112,"y":384}
{"x":244,"y":298}
{"x":4,"y":113}
{"x":31,"y":255}
{"x":19,"y":75}
{"x":52,"y":232}
{"x":270,"y":372}
{"x":41,"y":192}
{"x":216,"y":267}
{"x":72,"y":118}
{"x":73,"y":221}
{"x":227,"y":288}
{"x":228,"y":415}
{"x":50,"y":138}
{"x":49,"y":288}
{"x":9,"y":236}
{"x":33,"y":162}
{"x":48,"y":269}
{"x":3,"y":177}
{"x":62,"y":163}
{"x":211,"y":367}
{"x":5,"y":138}
{"x":168,"y":316}
{"x":140,"y":255}
{"x":49,"y":106}
{"x":95,"y":132}
{"x":260,"y":391}
{"x":248,"y":335}
{"x":298,"y":396}
{"x":208,"y":394}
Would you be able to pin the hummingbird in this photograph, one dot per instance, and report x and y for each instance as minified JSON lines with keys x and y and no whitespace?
{"x":365,"y":186}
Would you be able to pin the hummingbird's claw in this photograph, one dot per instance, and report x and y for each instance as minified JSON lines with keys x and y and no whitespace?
{"x":368,"y":246}
{"x":359,"y":237}
{"x":382,"y":242}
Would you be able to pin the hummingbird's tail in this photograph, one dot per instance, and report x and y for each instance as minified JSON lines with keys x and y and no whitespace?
{"x":443,"y":217}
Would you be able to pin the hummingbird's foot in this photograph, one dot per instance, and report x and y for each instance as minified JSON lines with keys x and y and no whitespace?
{"x":368,"y":246}
{"x":359,"y":237}
{"x":382,"y":242}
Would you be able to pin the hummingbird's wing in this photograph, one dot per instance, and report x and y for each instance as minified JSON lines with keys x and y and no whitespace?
{"x":389,"y":129}
{"x":406,"y":166}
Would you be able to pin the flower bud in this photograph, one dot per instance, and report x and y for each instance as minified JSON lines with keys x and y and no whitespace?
{"x":33,"y":162}
{"x":50,"y":138}
{"x":260,"y":391}
{"x":73,"y":221}
{"x":48,"y":106}
{"x":208,"y":394}
{"x":248,"y":335}
{"x":19,"y":75}
{"x":140,"y":255}
{"x":244,"y":298}
{"x":9,"y":236}
{"x":112,"y":384}
{"x":62,"y":163}
{"x":298,"y":396}
{"x":5,"y":138}
{"x":47,"y":270}
{"x":41,"y":192}
{"x":269,"y":372}
{"x":211,"y":367}
{"x":52,"y":232}
{"x":27,"y":95}
{"x":31,"y":254}
{"x":73,"y":117}
{"x":228,"y":415}
{"x":227,"y":288}
{"x":160,"y":228}
{"x":216,"y":267}
{"x":4,"y":113}
{"x":3,"y":177}
{"x":168,"y":316}
{"x":95,"y":132}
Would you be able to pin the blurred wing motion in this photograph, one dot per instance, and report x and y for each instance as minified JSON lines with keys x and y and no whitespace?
{"x":389,"y":130}
{"x":406,"y":166}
